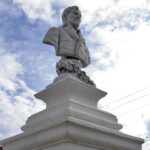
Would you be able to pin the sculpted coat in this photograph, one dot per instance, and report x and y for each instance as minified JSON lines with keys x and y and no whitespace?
{"x":68,"y":42}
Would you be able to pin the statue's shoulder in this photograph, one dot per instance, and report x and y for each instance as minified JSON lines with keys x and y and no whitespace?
{"x":51,"y":35}
{"x":54,"y":29}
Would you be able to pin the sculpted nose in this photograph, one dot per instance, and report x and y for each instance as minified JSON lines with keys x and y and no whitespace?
{"x":79,"y":16}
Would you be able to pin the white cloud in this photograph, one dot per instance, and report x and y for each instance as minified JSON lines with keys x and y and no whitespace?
{"x":117,"y":12}
{"x":9,"y":73}
{"x":37,"y":9}
{"x":16,"y":98}
{"x":128,"y":49}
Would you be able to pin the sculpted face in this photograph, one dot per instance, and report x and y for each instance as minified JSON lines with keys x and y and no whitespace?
{"x":74,"y":17}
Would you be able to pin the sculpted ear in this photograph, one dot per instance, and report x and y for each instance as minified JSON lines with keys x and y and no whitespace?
{"x":51,"y":37}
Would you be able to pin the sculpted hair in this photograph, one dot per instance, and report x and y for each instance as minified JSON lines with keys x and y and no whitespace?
{"x":66,"y":12}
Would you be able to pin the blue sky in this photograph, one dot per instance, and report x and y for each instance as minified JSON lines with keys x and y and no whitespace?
{"x":117,"y":33}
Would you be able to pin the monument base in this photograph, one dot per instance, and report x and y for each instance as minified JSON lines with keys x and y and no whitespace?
{"x":71,"y":121}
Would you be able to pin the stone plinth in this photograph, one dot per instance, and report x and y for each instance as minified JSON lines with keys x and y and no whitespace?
{"x":71,"y":121}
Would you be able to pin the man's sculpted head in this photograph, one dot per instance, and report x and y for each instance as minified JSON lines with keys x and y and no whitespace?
{"x":72,"y":15}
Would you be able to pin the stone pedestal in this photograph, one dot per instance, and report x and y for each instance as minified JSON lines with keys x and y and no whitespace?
{"x":71,"y":121}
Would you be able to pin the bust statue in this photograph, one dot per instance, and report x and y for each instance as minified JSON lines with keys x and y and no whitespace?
{"x":70,"y":45}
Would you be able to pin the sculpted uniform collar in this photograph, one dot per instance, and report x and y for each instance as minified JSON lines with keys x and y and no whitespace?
{"x":71,"y":31}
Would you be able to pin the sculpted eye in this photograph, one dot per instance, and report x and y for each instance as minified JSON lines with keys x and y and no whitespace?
{"x":75,"y":13}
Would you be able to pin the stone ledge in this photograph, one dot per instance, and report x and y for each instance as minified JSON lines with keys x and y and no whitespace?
{"x":70,"y":88}
{"x":52,"y":117}
{"x":75,"y":132}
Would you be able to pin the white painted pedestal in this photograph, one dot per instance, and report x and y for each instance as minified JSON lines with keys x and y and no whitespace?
{"x":71,"y":121}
